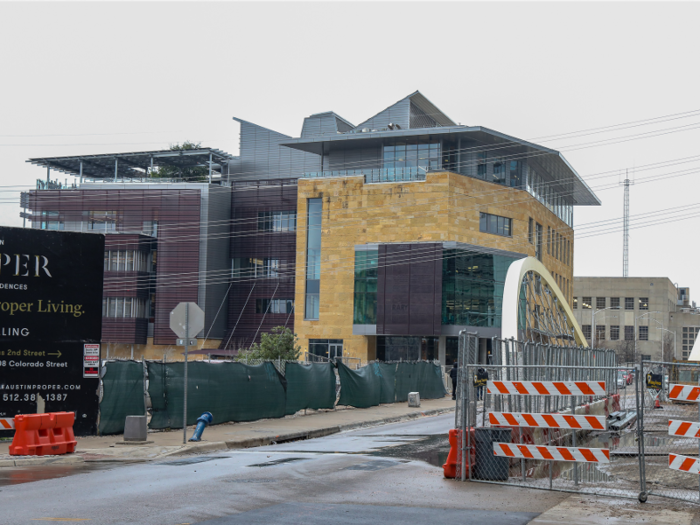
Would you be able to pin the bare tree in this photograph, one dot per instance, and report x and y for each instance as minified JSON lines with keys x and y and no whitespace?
{"x":667,"y":351}
{"x":625,"y":351}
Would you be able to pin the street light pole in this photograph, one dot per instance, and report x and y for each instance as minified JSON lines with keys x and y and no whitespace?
{"x":636,"y":335}
{"x":596,"y":312}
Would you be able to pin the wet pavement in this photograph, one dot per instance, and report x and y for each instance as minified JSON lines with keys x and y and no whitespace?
{"x":385,"y":474}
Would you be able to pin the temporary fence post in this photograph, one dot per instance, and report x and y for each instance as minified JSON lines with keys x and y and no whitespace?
{"x":549,"y":443}
{"x":145,"y":388}
{"x":522,"y":461}
{"x":463,"y":422}
{"x":573,"y":438}
{"x":639,"y":399}
{"x":468,"y":428}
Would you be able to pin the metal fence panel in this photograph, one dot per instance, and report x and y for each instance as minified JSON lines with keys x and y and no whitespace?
{"x":659,"y":411}
{"x":609,"y":459}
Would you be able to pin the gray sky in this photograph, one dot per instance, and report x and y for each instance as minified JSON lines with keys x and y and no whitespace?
{"x":82,"y":78}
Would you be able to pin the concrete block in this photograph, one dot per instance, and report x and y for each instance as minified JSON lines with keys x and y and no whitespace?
{"x":414,"y":399}
{"x":135,"y":428}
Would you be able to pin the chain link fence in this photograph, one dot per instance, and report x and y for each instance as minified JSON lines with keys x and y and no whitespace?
{"x":548,"y":417}
{"x":670,"y":428}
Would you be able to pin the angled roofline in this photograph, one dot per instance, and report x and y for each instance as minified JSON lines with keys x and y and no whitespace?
{"x":422,"y":102}
{"x":346,"y":121}
{"x":243,"y":121}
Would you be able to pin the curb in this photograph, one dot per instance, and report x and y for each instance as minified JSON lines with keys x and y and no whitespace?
{"x":298,"y":436}
{"x":32,"y":461}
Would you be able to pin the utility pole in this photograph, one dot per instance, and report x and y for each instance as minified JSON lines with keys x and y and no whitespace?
{"x":626,"y":227}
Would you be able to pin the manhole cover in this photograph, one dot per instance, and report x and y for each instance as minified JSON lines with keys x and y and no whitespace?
{"x":191,"y":461}
{"x":277,"y":462}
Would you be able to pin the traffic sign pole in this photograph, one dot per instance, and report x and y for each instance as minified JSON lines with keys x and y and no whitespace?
{"x":186,"y":319}
{"x":187,"y":340}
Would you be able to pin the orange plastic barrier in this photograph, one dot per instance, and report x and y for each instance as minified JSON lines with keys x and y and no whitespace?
{"x":43,"y":434}
{"x":450,"y":466}
{"x":616,"y":402}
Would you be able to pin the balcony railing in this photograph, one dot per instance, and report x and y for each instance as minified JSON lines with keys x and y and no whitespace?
{"x":373,"y":175}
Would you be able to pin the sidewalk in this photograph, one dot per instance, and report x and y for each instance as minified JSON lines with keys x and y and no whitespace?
{"x":581,"y":509}
{"x":235,"y":435}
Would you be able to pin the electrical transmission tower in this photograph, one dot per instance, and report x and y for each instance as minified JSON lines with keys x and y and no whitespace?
{"x":626,"y":228}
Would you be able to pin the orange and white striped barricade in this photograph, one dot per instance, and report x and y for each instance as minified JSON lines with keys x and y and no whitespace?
{"x":684,"y":393}
{"x":7,"y":423}
{"x":576,"y":454}
{"x":517,"y":419}
{"x":683,"y":428}
{"x":684,"y":463}
{"x":547,"y":388}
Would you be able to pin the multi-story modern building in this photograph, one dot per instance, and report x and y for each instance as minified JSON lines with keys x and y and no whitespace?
{"x":375,"y":241}
{"x":640,"y":317}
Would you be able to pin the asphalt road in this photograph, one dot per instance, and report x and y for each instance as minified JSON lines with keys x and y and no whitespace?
{"x":375,"y":475}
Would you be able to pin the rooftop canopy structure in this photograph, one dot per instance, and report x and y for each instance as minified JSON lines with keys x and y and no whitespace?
{"x":135,"y":165}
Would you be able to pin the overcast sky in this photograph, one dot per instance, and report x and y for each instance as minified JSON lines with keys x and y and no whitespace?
{"x":81,"y":78}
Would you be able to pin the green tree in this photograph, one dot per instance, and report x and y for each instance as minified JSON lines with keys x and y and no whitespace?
{"x":280,"y":343}
{"x":188,"y":173}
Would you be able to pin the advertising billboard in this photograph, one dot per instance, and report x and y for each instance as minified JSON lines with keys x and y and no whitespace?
{"x":50,"y":323}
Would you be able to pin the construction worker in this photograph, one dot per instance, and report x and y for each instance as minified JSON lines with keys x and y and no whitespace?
{"x":482,"y":377}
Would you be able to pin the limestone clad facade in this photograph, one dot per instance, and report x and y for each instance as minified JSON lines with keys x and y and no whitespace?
{"x":444,"y":207}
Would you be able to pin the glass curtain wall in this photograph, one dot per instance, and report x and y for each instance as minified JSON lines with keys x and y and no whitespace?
{"x":365,"y":297}
{"x":472,"y":288}
{"x":407,"y":348}
{"x":313,"y":258}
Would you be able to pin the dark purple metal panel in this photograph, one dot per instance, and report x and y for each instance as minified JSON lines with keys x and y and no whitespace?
{"x":409,"y":289}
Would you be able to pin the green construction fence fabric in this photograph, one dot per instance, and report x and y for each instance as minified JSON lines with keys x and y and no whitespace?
{"x":387,"y":381}
{"x":230,"y":391}
{"x":359,"y":388}
{"x":422,"y":377}
{"x":309,"y":385}
{"x":122,"y":395}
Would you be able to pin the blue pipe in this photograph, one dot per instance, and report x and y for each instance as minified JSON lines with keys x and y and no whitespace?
{"x":202,"y":422}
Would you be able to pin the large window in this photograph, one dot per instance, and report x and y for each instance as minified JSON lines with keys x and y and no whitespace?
{"x":277,"y":221}
{"x":643,"y":303}
{"x":411,"y":157}
{"x":587,"y":303}
{"x":313,"y":259}
{"x":615,"y":333}
{"x":402,"y":348}
{"x":496,"y":224}
{"x":102,"y":221}
{"x":539,"y":240}
{"x":643,"y":333}
{"x":615,"y":303}
{"x":274,"y":306}
{"x":629,"y":303}
{"x":326,"y":348}
{"x":600,"y":303}
{"x":575,"y":303}
{"x":254,"y":268}
{"x":365,"y":297}
{"x":586,"y":329}
{"x":126,"y":261}
{"x":50,"y":221}
{"x":599,"y":333}
{"x":123,"y":307}
{"x":629,"y":333}
{"x":472,"y":288}
{"x":690,"y":333}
